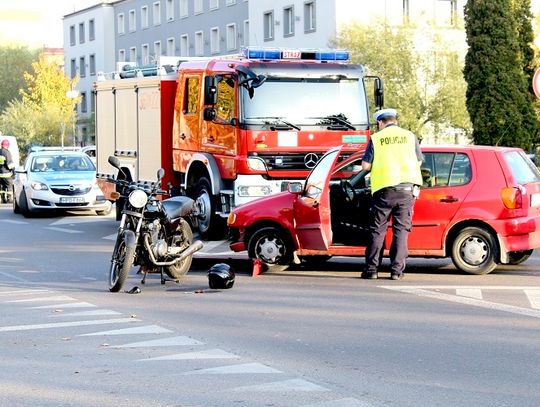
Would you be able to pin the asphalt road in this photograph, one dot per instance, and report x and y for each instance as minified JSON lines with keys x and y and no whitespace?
{"x":319,"y":337}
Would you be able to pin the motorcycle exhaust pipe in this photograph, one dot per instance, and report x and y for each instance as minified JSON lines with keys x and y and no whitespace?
{"x":192,"y":248}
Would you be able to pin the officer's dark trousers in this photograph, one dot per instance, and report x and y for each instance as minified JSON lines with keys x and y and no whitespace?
{"x":5,"y":189}
{"x":397,"y":204}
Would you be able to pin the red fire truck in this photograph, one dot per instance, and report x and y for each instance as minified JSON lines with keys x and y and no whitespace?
{"x":231,"y":129}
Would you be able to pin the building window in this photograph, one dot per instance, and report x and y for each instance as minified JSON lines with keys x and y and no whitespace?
{"x":81,"y":33}
{"x":144,"y":17}
{"x":157,"y":50}
{"x":122,"y":55}
{"x":84,"y":107}
{"x":245,"y":34}
{"x":169,"y":10}
{"x":288,"y":21}
{"x":132,"y":24}
{"x":170,"y":46}
{"x":231,"y":37}
{"x":92,"y":102}
{"x":145,"y":54}
{"x":82,"y":67}
{"x":184,"y":11}
{"x":72,"y":35}
{"x":268,"y":25}
{"x":214,"y":40}
{"x":156,"y":13}
{"x":120,"y":21}
{"x":230,"y":2}
{"x":92,"y":63}
{"x":199,"y":44}
{"x":214,"y":4}
{"x":184,"y":45}
{"x":446,"y":12}
{"x":91,"y":30}
{"x":73,"y":68}
{"x":133,"y":55}
{"x":198,"y":6}
{"x":309,"y":17}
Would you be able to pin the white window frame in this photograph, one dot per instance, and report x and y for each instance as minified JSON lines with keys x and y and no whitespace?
{"x":184,"y":45}
{"x":121,"y":22}
{"x":82,"y":67}
{"x":91,"y":29}
{"x":144,"y":17}
{"x":82,"y":36}
{"x":132,"y":23}
{"x":121,"y":55}
{"x":157,"y":50}
{"x":310,"y":16}
{"x":214,"y":4}
{"x":288,"y":21}
{"x":156,"y":13}
{"x":268,"y":25}
{"x":230,"y":2}
{"x":145,"y":54}
{"x":92,"y":64}
{"x":133,"y":55}
{"x":171,"y":46}
{"x":199,"y":43}
{"x":245,"y":33}
{"x":169,"y":10}
{"x":214,"y":40}
{"x":198,"y":7}
{"x":231,"y":35}
{"x":184,"y":8}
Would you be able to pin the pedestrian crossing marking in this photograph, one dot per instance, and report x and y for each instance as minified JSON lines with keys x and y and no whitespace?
{"x":42,"y":299}
{"x":23,"y":292}
{"x":92,"y":313}
{"x":534,"y":297}
{"x":147,"y":329}
{"x":204,"y":354}
{"x":284,"y":385}
{"x":346,"y":402}
{"x":470,"y":292}
{"x":64,"y":230}
{"x":66,"y":305}
{"x":246,"y":368}
{"x":66,"y":324}
{"x":173,"y":341}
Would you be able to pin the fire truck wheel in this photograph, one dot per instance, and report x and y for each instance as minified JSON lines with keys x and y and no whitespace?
{"x":273,"y":247}
{"x":209,"y":224}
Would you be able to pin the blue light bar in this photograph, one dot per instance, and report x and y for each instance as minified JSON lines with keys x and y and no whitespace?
{"x":261,"y":53}
{"x":332,"y":55}
{"x":295,"y":54}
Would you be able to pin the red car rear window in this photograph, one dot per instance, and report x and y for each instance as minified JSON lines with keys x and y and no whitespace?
{"x":521,"y":167}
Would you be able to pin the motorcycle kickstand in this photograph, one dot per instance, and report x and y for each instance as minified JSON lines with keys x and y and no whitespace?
{"x":163,"y":278}
{"x":145,"y":273}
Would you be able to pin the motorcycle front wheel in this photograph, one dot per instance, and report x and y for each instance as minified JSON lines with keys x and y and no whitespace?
{"x":184,"y":238}
{"x":121,"y":262}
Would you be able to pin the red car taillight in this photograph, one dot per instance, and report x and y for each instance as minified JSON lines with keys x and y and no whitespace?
{"x":512,"y":197}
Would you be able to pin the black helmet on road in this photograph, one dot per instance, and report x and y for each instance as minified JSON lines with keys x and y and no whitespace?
{"x":220,"y":275}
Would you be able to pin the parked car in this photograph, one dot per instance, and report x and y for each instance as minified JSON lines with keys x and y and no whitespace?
{"x":479,"y":205}
{"x":55,"y":179}
{"x":91,"y":152}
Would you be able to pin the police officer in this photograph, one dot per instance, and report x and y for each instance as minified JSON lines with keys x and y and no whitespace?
{"x":393,"y":156}
{"x":6,"y":172}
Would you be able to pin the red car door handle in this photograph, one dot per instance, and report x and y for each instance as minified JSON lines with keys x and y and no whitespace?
{"x":449,"y":199}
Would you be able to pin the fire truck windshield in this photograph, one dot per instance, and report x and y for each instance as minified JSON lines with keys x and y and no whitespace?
{"x":305,"y":101}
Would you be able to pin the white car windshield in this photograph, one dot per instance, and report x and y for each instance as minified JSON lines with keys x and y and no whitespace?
{"x":61,"y":163}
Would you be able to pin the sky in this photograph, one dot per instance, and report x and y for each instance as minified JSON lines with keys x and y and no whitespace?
{"x":36,"y":23}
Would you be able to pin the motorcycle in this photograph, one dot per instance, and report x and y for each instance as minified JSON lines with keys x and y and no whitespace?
{"x":153,"y":234}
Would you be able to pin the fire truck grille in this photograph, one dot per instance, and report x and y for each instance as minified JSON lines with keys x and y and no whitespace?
{"x":70,"y":190}
{"x":298,"y":161}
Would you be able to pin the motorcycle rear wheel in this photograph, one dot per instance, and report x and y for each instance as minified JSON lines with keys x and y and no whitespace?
{"x":181,"y":268}
{"x":121,"y":263}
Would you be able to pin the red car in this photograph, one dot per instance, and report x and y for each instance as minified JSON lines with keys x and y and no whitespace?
{"x":479,"y":205}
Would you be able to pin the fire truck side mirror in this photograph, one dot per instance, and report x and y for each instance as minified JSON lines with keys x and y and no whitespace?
{"x":209,"y":114}
{"x":210,"y":90}
{"x":378,"y":92}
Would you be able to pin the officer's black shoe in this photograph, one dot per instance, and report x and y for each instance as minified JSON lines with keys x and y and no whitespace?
{"x":396,"y":276}
{"x":370,"y":276}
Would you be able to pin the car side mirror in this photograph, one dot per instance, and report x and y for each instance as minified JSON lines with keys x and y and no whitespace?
{"x":295,"y":187}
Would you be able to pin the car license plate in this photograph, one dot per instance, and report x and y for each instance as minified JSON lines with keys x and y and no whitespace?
{"x":75,"y":199}
{"x":535,"y":200}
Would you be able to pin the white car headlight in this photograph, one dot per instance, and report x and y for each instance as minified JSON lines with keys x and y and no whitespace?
{"x":138,"y":198}
{"x":38,"y":186}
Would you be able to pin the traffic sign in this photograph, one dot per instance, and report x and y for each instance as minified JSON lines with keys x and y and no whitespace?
{"x":536,"y":83}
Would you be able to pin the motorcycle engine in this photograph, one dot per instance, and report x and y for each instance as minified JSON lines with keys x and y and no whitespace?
{"x":159,"y":246}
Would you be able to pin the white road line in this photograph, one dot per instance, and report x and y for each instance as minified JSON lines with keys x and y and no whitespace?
{"x":470,"y":292}
{"x":285,"y":385}
{"x":346,"y":402}
{"x":68,"y":305}
{"x":467,"y":301}
{"x":93,"y":313}
{"x":246,"y":368}
{"x":66,"y":324}
{"x":534,"y":297}
{"x":81,"y":219}
{"x":63,"y":230}
{"x":174,"y":341}
{"x":42,"y":299}
{"x":14,"y":277}
{"x":15,"y":222}
{"x":148,"y":329}
{"x":111,"y":237}
{"x":23,"y":292}
{"x":205,"y":354}
{"x":455,"y":287}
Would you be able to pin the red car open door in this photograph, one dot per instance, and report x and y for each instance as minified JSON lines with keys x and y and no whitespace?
{"x":312,"y":208}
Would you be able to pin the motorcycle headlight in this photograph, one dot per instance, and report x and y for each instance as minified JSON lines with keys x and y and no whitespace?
{"x":138,"y":198}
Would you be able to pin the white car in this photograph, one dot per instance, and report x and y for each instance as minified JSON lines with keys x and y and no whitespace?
{"x":57,"y":180}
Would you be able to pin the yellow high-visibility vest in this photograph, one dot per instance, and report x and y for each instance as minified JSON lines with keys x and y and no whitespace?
{"x":394,"y":160}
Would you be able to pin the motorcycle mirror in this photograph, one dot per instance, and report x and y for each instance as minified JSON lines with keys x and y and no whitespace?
{"x":160,"y":174}
{"x":114,"y":161}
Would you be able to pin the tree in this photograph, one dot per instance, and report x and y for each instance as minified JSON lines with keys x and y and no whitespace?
{"x":14,"y":61}
{"x":427,"y":90}
{"x":498,"y":97}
